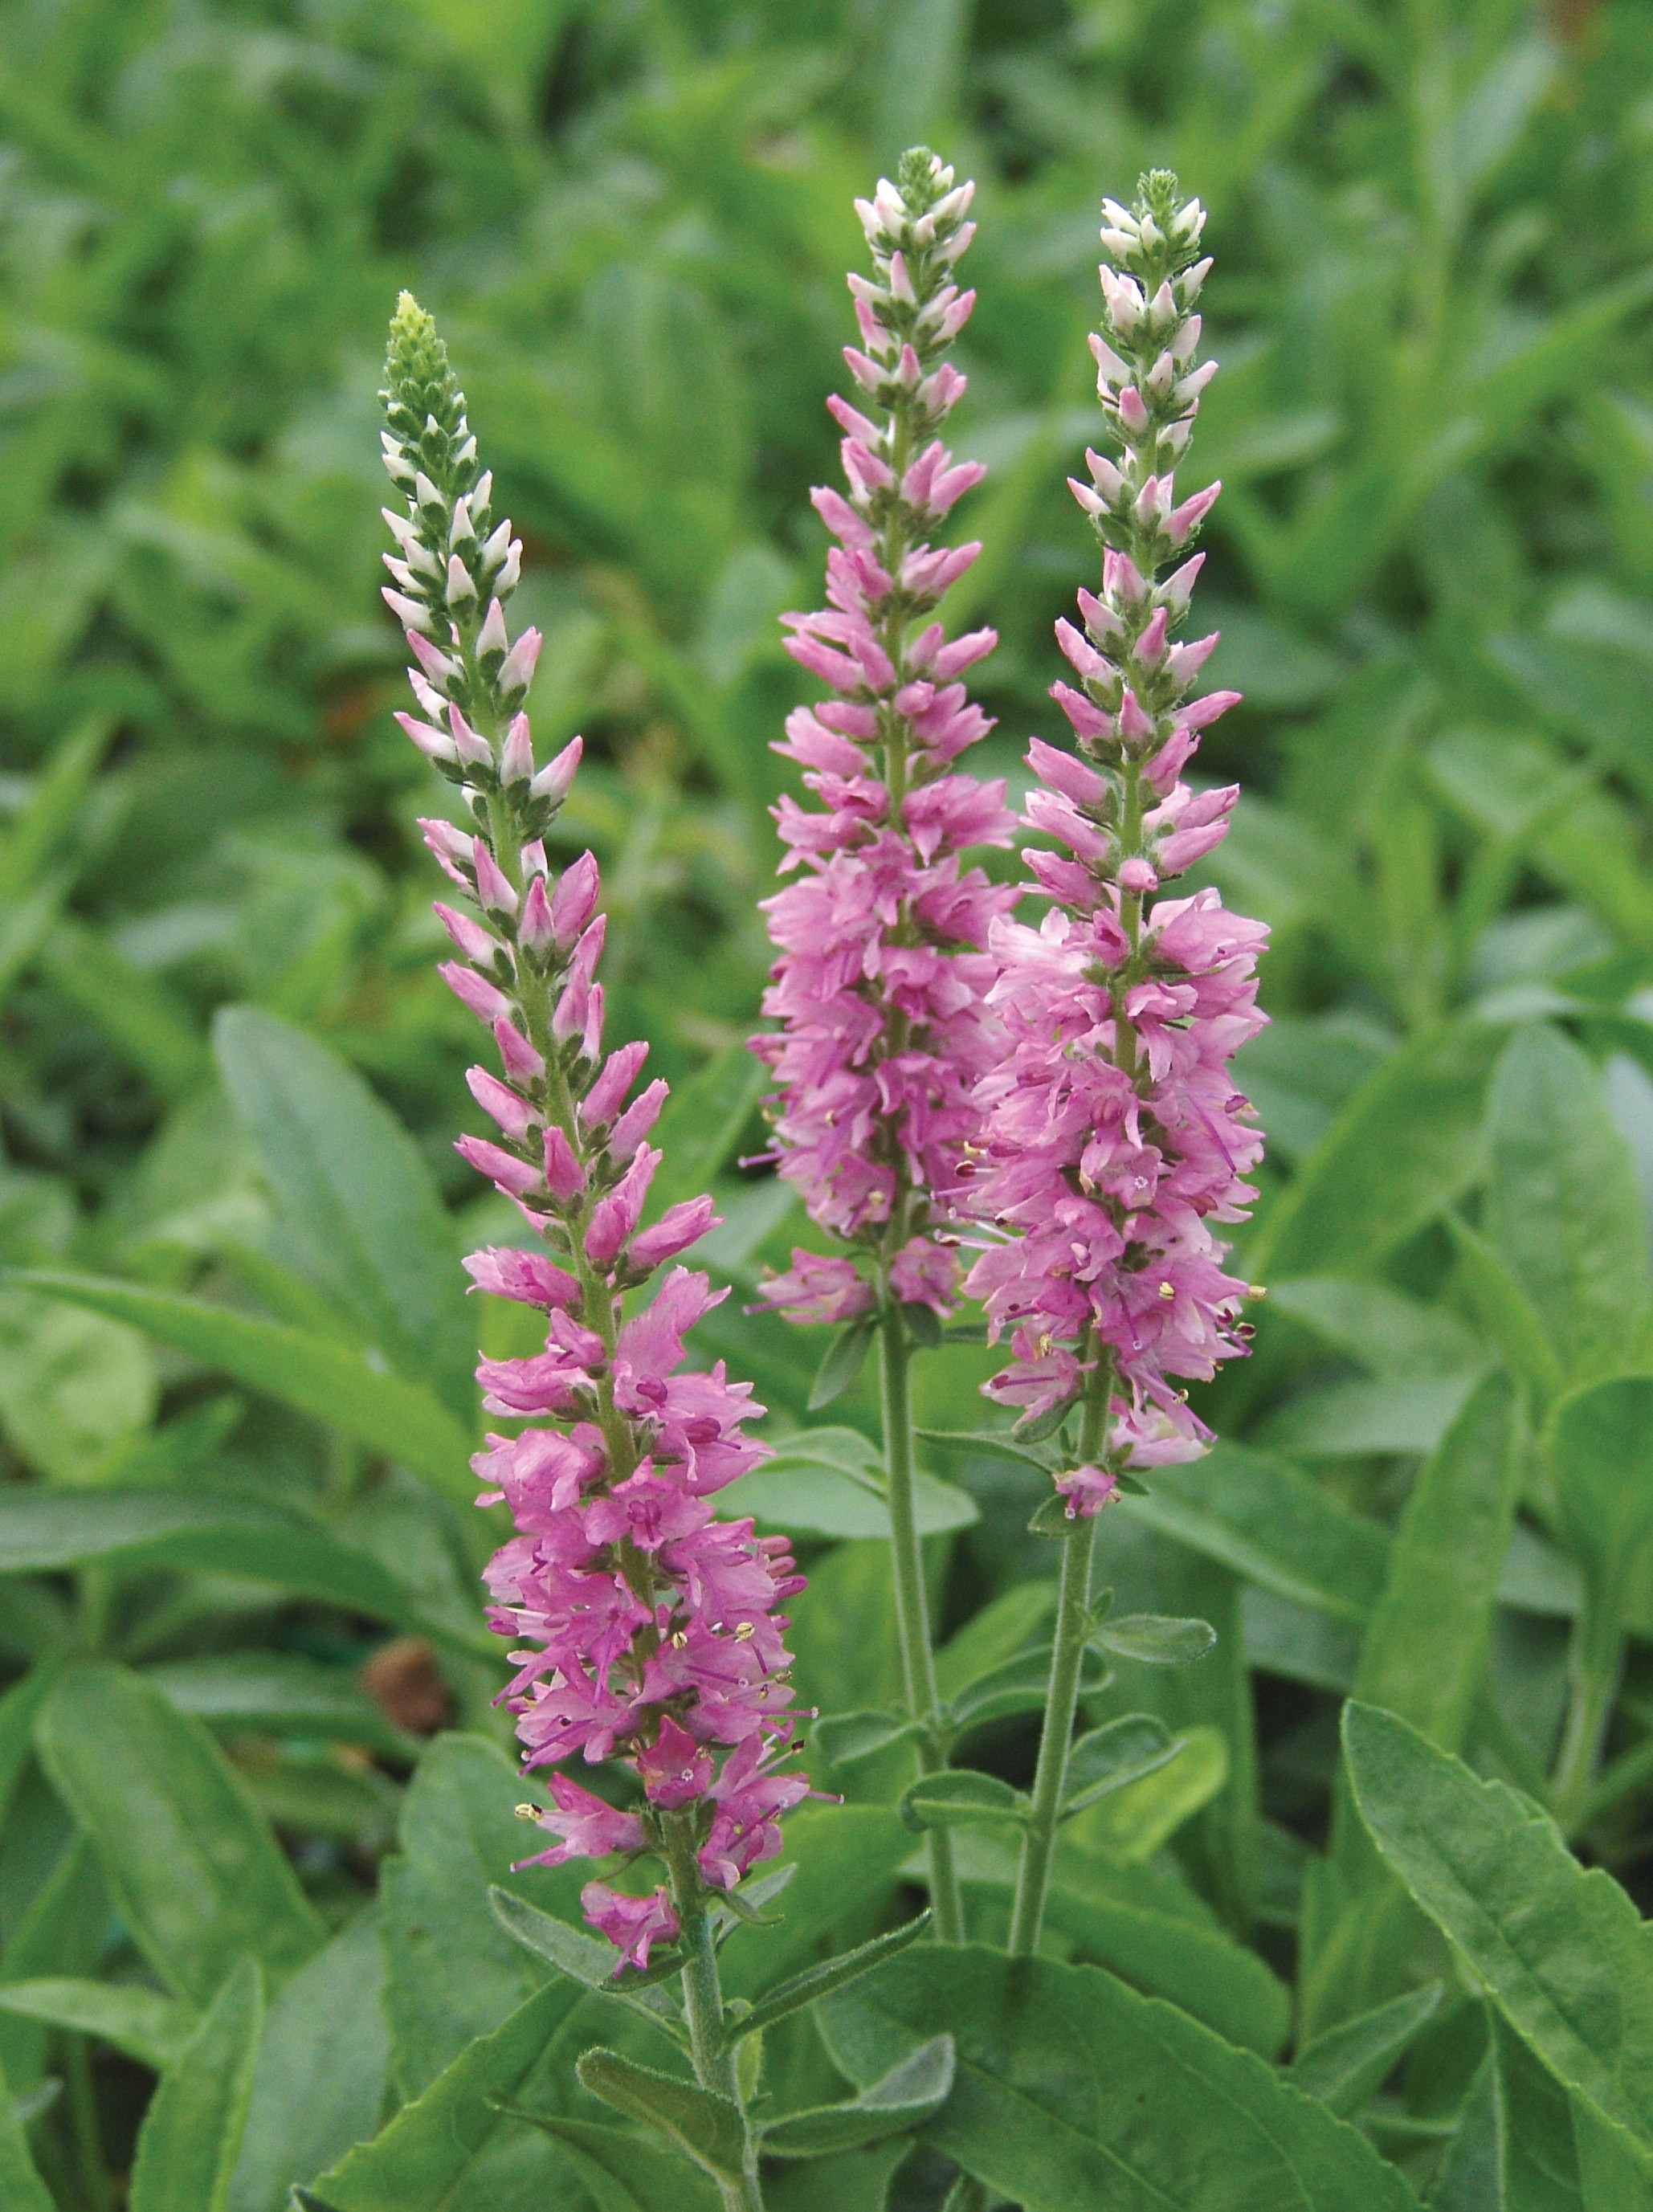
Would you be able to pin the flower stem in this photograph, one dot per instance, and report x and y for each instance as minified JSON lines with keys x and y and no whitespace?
{"x":709,"y":2052}
{"x":912,"y":1606}
{"x":1066,"y":1658}
{"x":1595,"y":1664}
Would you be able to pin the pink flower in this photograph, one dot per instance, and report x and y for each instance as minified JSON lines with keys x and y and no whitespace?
{"x":817,"y":1289}
{"x":589,"y":1829}
{"x":1087,"y":1490}
{"x":923,"y":1273}
{"x":631,"y":1923}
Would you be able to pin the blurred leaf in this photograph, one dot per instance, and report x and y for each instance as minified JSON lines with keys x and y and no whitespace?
{"x":21,"y":2185}
{"x":817,"y":1498}
{"x":72,"y":1384}
{"x":139,"y":1016}
{"x":841,"y":1362}
{"x":423,"y":2158}
{"x":1351,"y":2063}
{"x":381,"y":1411}
{"x":904,"y":2099}
{"x":318,"y":2084}
{"x":146,"y":2025}
{"x":1564,"y":1208}
{"x":359,"y":1212}
{"x":279,"y":1693}
{"x":1389,"y":1333}
{"x":1404,"y":1148}
{"x":701,"y":1125}
{"x":196,"y":1875}
{"x":1140,"y":1813}
{"x":622,"y":2172}
{"x":192,"y":2133}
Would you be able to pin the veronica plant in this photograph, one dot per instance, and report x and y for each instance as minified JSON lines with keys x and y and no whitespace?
{"x":652,"y":1638}
{"x":880,"y":990}
{"x":1113,"y":1133}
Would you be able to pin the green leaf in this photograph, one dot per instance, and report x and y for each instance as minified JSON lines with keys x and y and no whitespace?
{"x":384,"y":1411}
{"x":922,"y":1325}
{"x":905,"y":2098}
{"x":318,"y":2086}
{"x":197,"y":1876}
{"x":1020,"y":1685}
{"x":806,"y":1989}
{"x":1562,"y":1954}
{"x":1564,"y":1208}
{"x":1353,"y":1419}
{"x":1253,"y":1512}
{"x":1351,"y":2063}
{"x":48,"y":816}
{"x":983,"y":1445}
{"x":145,"y":2025}
{"x":1600,"y":1450}
{"x":1506,"y":1314}
{"x":1108,"y":1757}
{"x":959,"y":1797}
{"x":829,"y":1482}
{"x":1075,"y":2094}
{"x":706,"y":2128}
{"x":192,"y":2133}
{"x":280,"y":1693}
{"x":1380,"y":1328}
{"x":843,"y":1738}
{"x":216,"y":1531}
{"x":1140,"y":1814}
{"x":148,"y":1026}
{"x":422,"y":2160}
{"x":1401,"y":1151}
{"x":1425,"y":1652}
{"x":452,"y":1972}
{"x":701,"y":1125}
{"x":841,"y":1363}
{"x":73,"y":1386}
{"x":590,"y":1963}
{"x":849,"y":1858}
{"x":22,"y":2189}
{"x":359,"y":1216}
{"x":622,"y":2173}
{"x":1154,"y":1639}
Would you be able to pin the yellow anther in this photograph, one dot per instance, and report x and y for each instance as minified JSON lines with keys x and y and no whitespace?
{"x":1168,"y":1290}
{"x":527,"y":1812}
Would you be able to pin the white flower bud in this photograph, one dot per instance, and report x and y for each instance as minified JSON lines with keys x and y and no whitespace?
{"x":461,"y":584}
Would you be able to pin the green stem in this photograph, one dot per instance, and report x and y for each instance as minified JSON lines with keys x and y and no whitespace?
{"x":88,"y":2139}
{"x":1596,"y":1662}
{"x":713,"y":2058}
{"x":1067,"y":1657}
{"x":912,"y":1607}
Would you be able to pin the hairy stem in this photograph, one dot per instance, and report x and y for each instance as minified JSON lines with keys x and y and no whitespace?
{"x":1066,"y":1658}
{"x":912,"y":1607}
{"x":713,"y":2058}
{"x":1596,"y":1662}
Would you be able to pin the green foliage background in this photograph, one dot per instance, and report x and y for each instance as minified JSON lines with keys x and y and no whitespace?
{"x":1433,"y":567}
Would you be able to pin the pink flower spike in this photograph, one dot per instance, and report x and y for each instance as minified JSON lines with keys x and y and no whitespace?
{"x":475,"y":751}
{"x":468,"y":934}
{"x":620,"y":1071}
{"x":817,"y":1289}
{"x":590,"y":1828}
{"x":412,"y":614}
{"x":1138,"y":876}
{"x":631,"y":1923}
{"x":496,"y":895}
{"x":1182,"y":519}
{"x":1063,"y":773}
{"x":434,"y":744}
{"x":529,"y":1278}
{"x":925,"y":1274}
{"x":1087,"y":1490}
{"x":639,"y":1118}
{"x":678,"y":1228}
{"x":564,"y":1176}
{"x":674,"y":1769}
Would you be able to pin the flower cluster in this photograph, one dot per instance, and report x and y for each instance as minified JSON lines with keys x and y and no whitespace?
{"x":880,"y":987}
{"x":651,"y":1630}
{"x":1113,"y":1135}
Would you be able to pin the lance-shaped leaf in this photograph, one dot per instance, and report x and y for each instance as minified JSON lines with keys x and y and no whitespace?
{"x":192,"y":1864}
{"x":706,"y":2128}
{"x":992,"y":1445}
{"x":1563,"y":1953}
{"x":1020,"y":1685}
{"x":843,"y":1738}
{"x":22,"y":2189}
{"x":192,"y":2133}
{"x":588,"y":1962}
{"x":423,"y":2160}
{"x":145,"y":2025}
{"x":842,"y":1364}
{"x":1155,"y":1640}
{"x":820,"y":1981}
{"x":905,"y":2097}
{"x":829,"y":1482}
{"x":333,"y":1383}
{"x":621,"y":2173}
{"x":960,"y":1797}
{"x":1351,"y":2063}
{"x":1109,"y":1757}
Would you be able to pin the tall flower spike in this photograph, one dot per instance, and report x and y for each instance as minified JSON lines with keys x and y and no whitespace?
{"x":880,"y":988}
{"x":650,"y":1632}
{"x":1113,"y":1131}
